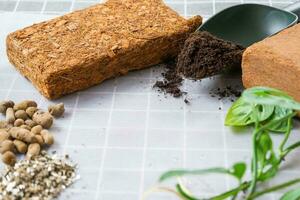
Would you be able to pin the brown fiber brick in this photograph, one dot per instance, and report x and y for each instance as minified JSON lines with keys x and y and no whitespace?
{"x":83,"y":48}
{"x":275,"y":62}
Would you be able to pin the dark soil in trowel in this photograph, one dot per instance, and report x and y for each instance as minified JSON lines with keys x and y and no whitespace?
{"x":205,"y":55}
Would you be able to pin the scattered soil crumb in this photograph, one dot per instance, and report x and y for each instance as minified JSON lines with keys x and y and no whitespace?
{"x":205,"y":55}
{"x":171,"y":82}
{"x":228,"y":92}
{"x":43,"y":177}
{"x":186,"y":101}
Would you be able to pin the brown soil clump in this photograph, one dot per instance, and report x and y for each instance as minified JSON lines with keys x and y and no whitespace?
{"x":229,"y":92}
{"x":204,"y":55}
{"x":171,"y":82}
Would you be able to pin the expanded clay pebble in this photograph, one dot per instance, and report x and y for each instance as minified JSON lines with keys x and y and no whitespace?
{"x":30,"y":123}
{"x":36,"y":129}
{"x":40,"y":140}
{"x":31,"y":110}
{"x":57,"y":110}
{"x":4,"y":135}
{"x":10,"y":115}
{"x":3,"y":124}
{"x":23,"y":105}
{"x":42,"y":118}
{"x":33,"y":150}
{"x":8,"y":158}
{"x":4,"y":105}
{"x":47,"y":137}
{"x":20,"y":146}
{"x":19,"y":122}
{"x":21,"y":114}
{"x":26,"y":127}
{"x":42,"y":178}
{"x":7,"y":145}
{"x":22,"y":134}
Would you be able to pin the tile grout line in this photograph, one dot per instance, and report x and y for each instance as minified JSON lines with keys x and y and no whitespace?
{"x":16,"y":6}
{"x":158,"y":148}
{"x":184,"y":136}
{"x":290,"y":172}
{"x":185,"y":8}
{"x":44,"y":6}
{"x":71,"y":124}
{"x":225,"y":144}
{"x":222,"y":122}
{"x":145,"y":143}
{"x":11,"y":86}
{"x":100,"y":177}
{"x":72,"y":5}
{"x":184,"y":153}
{"x":119,"y":93}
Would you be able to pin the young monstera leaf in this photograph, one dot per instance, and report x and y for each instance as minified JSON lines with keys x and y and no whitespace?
{"x":243,"y":113}
{"x":270,"y":96}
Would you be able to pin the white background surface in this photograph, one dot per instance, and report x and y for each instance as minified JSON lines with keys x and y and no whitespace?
{"x":123,"y":134}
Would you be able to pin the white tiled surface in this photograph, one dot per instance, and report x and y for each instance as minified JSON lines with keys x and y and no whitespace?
{"x":123,"y":133}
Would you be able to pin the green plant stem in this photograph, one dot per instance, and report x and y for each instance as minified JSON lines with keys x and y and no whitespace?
{"x":184,"y":195}
{"x":231,"y":192}
{"x":274,"y":188}
{"x":290,"y":148}
{"x":254,"y":160}
{"x":287,"y":134}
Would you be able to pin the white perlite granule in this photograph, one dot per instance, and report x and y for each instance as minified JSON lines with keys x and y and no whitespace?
{"x":41,"y":178}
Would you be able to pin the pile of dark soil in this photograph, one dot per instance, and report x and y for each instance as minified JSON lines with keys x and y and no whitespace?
{"x":228,"y":92}
{"x":205,"y":55}
{"x":171,"y":82}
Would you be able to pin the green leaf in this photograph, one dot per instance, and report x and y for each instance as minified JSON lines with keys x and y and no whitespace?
{"x":279,"y":113}
{"x":262,"y":112}
{"x":291,"y":195}
{"x":240,"y":114}
{"x":179,"y":173}
{"x":243,"y":113}
{"x":266,"y":158}
{"x":270,"y":96}
{"x":238,"y":170}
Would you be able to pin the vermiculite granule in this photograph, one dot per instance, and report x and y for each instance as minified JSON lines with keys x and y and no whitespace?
{"x":43,"y":177}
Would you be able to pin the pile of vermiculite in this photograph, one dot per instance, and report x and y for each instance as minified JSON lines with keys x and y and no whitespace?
{"x":25,"y":131}
{"x":41,"y":178}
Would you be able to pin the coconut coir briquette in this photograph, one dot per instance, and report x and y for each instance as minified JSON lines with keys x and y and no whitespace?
{"x":203,"y":55}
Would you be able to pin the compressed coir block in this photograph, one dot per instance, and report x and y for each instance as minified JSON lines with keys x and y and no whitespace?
{"x":275,"y":62}
{"x":83,"y":48}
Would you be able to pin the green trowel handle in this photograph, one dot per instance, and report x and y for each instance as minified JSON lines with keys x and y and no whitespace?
{"x":294,"y":8}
